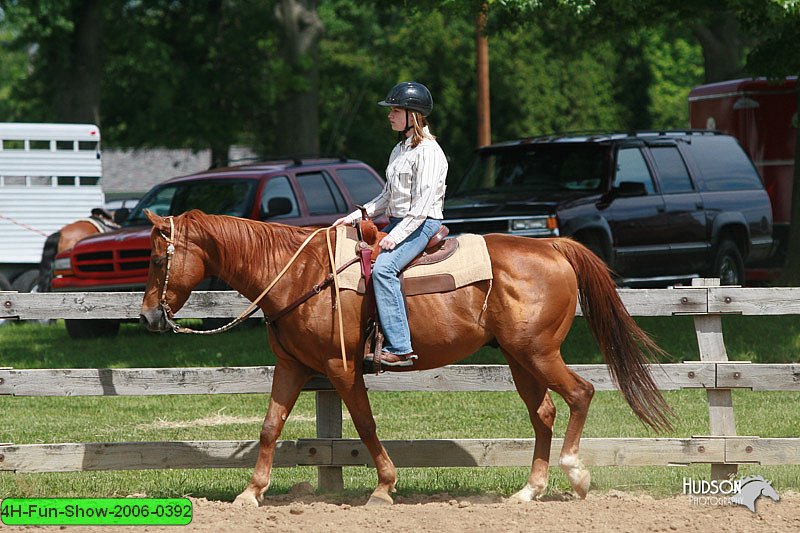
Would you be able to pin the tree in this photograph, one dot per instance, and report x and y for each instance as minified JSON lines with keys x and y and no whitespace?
{"x":188,"y":74}
{"x":64,"y":39}
{"x":298,"y":112}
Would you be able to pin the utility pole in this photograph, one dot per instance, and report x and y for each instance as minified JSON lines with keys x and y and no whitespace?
{"x":482,"y":75}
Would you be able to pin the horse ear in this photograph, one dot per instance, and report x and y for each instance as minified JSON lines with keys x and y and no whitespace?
{"x":158,"y":222}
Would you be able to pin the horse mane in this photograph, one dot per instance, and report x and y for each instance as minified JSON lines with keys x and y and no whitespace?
{"x":243,"y":247}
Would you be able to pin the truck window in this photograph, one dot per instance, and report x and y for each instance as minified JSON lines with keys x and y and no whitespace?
{"x":279,"y":187}
{"x":322,"y":195}
{"x":632,"y":167}
{"x":362,"y":184}
{"x":724,"y":165}
{"x":672,"y":173}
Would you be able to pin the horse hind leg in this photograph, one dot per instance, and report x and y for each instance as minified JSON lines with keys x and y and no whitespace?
{"x":542,"y":414}
{"x":577,"y":392}
{"x":287,"y":383}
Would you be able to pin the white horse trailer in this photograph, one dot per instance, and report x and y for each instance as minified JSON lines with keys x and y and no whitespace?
{"x":49,"y":176}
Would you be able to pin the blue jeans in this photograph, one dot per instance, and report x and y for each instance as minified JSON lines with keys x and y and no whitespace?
{"x":385,"y":280}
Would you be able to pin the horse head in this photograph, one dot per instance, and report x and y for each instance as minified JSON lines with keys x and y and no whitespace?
{"x":177,"y":265}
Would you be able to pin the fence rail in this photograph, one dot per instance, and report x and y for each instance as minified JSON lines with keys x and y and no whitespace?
{"x":723,"y":449}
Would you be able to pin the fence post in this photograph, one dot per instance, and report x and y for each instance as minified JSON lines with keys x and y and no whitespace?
{"x":329,"y":425}
{"x":708,"y":329}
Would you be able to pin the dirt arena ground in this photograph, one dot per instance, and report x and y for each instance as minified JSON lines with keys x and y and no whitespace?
{"x":614,"y":511}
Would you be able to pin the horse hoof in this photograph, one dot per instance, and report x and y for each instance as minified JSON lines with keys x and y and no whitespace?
{"x":246,"y":500}
{"x":578,"y":475}
{"x":582,"y":486}
{"x":528,"y":493}
{"x":379,"y":498}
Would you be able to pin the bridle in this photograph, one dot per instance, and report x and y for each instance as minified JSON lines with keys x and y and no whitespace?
{"x":169,"y":253}
{"x":253,"y":308}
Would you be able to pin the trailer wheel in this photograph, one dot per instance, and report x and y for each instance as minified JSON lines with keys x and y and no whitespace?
{"x":91,"y":329}
{"x":28,"y":281}
{"x":4,"y":286}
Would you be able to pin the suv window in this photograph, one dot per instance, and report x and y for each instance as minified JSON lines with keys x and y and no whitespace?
{"x":322,"y":195}
{"x":632,"y":167}
{"x":215,"y":197}
{"x":724,"y":165}
{"x":279,"y":187}
{"x":672,"y":173}
{"x":362,"y":185}
{"x":546,"y":167}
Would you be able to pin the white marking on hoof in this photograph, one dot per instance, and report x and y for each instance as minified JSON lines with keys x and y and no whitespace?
{"x":246,"y":499}
{"x":380,"y":498}
{"x":529,"y":492}
{"x":579,"y":477}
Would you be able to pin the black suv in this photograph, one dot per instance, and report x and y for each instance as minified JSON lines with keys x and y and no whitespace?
{"x":658,"y":207}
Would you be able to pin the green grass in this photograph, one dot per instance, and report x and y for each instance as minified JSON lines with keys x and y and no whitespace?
{"x":398,"y":415}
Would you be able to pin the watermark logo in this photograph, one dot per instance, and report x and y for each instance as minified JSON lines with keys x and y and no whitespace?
{"x":729,"y":492}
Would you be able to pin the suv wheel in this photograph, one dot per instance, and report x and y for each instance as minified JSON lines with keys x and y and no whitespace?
{"x":728,"y":264}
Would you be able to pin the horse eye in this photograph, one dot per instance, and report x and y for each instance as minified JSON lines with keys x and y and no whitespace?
{"x":157,"y":260}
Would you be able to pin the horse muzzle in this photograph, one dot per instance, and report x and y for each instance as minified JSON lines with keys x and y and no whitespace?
{"x":155,"y":320}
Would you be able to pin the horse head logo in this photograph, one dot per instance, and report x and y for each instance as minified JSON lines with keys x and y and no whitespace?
{"x":751,"y":489}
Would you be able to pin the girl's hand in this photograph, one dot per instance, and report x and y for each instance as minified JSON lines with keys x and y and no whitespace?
{"x":341,"y":221}
{"x":387,"y":243}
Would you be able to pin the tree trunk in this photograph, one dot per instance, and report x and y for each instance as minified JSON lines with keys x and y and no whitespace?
{"x":298,"y":112}
{"x":722,"y":46}
{"x":77,"y":97}
{"x":791,"y":269}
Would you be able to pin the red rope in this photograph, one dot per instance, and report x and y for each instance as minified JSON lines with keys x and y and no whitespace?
{"x":23,"y":225}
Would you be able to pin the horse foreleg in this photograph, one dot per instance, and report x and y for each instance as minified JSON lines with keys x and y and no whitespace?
{"x":287,"y":383}
{"x":542,"y":413}
{"x":351,"y":388}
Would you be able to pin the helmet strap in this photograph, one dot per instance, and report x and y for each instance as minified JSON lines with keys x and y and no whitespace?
{"x":408,"y":124}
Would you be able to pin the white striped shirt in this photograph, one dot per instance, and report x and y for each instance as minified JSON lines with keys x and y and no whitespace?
{"x":415,"y":185}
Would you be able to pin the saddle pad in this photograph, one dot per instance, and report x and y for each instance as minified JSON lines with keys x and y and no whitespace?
{"x":469,"y":264}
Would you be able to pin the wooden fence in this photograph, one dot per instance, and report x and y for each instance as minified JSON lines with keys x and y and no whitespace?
{"x":706,"y":302}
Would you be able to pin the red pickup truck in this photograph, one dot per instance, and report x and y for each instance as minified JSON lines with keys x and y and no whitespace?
{"x":302,"y":192}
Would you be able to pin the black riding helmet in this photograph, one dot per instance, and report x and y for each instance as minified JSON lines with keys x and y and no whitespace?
{"x":409,"y":95}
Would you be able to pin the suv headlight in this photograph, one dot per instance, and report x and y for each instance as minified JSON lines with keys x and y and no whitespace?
{"x":62,"y":264}
{"x":542,"y":225}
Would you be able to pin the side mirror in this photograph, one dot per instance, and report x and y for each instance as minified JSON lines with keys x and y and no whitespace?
{"x":280,"y":205}
{"x":121,"y":215}
{"x":629,"y":189}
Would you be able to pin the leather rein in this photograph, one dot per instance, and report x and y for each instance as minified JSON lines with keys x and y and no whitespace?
{"x":333,"y":277}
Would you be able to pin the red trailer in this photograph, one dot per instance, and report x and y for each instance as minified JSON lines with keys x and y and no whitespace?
{"x":762,"y":114}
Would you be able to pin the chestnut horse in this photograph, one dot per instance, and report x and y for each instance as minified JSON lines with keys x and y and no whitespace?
{"x":65,"y":238}
{"x":530,"y":310}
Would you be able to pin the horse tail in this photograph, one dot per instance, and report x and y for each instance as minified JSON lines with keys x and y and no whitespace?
{"x":46,"y":264}
{"x":625,"y":346}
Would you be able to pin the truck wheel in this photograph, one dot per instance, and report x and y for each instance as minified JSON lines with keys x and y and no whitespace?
{"x":91,"y":329}
{"x":28,"y":281}
{"x":728,"y":264}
